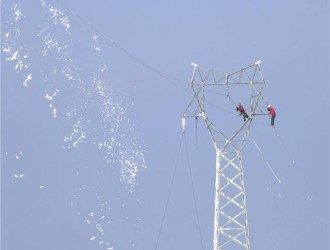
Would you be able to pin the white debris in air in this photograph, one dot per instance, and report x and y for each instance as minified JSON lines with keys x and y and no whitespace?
{"x":97,"y":47}
{"x":13,"y":57}
{"x":99,"y":116}
{"x":6,"y":50}
{"x":309,"y":197}
{"x":48,"y":97}
{"x":95,"y":218}
{"x":49,"y":44}
{"x":18,"y":14}
{"x":28,"y":78}
{"x":16,"y":57}
{"x":59,"y":17}
{"x":54,"y":113}
{"x":51,"y":99}
{"x":10,"y":44}
{"x":77,"y":136}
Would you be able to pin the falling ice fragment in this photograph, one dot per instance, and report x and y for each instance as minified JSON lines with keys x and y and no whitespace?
{"x":28,"y":78}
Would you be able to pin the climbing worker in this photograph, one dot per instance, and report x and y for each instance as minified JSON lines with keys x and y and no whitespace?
{"x":272,"y":113}
{"x":242,"y":111}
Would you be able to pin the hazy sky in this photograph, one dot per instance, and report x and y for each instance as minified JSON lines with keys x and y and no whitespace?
{"x":92,"y":95}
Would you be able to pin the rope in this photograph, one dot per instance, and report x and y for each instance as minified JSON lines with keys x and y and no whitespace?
{"x":194,"y":194}
{"x":284,"y":146}
{"x":231,"y":100}
{"x":169,"y":192}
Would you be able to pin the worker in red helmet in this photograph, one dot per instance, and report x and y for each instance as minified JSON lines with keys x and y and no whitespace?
{"x":272,"y":113}
{"x":242,"y":111}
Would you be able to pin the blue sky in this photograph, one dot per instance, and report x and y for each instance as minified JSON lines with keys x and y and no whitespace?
{"x":91,"y":122}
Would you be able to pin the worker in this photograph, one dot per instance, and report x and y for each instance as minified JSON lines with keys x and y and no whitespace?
{"x":242,"y":111}
{"x":272,"y":113}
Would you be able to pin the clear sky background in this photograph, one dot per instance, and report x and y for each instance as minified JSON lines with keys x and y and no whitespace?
{"x":92,"y":95}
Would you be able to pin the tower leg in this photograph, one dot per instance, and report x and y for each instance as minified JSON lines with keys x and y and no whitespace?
{"x":230,"y":219}
{"x":216,"y":202}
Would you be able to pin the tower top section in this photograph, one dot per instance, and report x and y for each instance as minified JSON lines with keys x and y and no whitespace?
{"x":218,"y":98}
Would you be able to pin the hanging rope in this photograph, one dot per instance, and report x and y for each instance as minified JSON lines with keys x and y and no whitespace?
{"x":194,"y":194}
{"x":284,"y":146}
{"x":231,"y":100}
{"x":169,"y":192}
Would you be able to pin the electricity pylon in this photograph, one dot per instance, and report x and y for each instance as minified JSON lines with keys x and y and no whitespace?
{"x":231,"y":229}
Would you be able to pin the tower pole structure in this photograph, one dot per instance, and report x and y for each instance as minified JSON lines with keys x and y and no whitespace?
{"x":231,"y":229}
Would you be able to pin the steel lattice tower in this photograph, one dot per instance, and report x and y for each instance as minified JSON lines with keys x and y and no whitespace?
{"x":231,"y":229}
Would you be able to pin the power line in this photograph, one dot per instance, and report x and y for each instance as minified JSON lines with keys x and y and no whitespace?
{"x":194,"y":193}
{"x":169,"y":78}
{"x":171,"y":189}
{"x":169,"y":192}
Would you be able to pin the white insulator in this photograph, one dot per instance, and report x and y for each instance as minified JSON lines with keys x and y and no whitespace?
{"x":257,"y":62}
{"x":183,"y":123}
{"x":194,"y":64}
